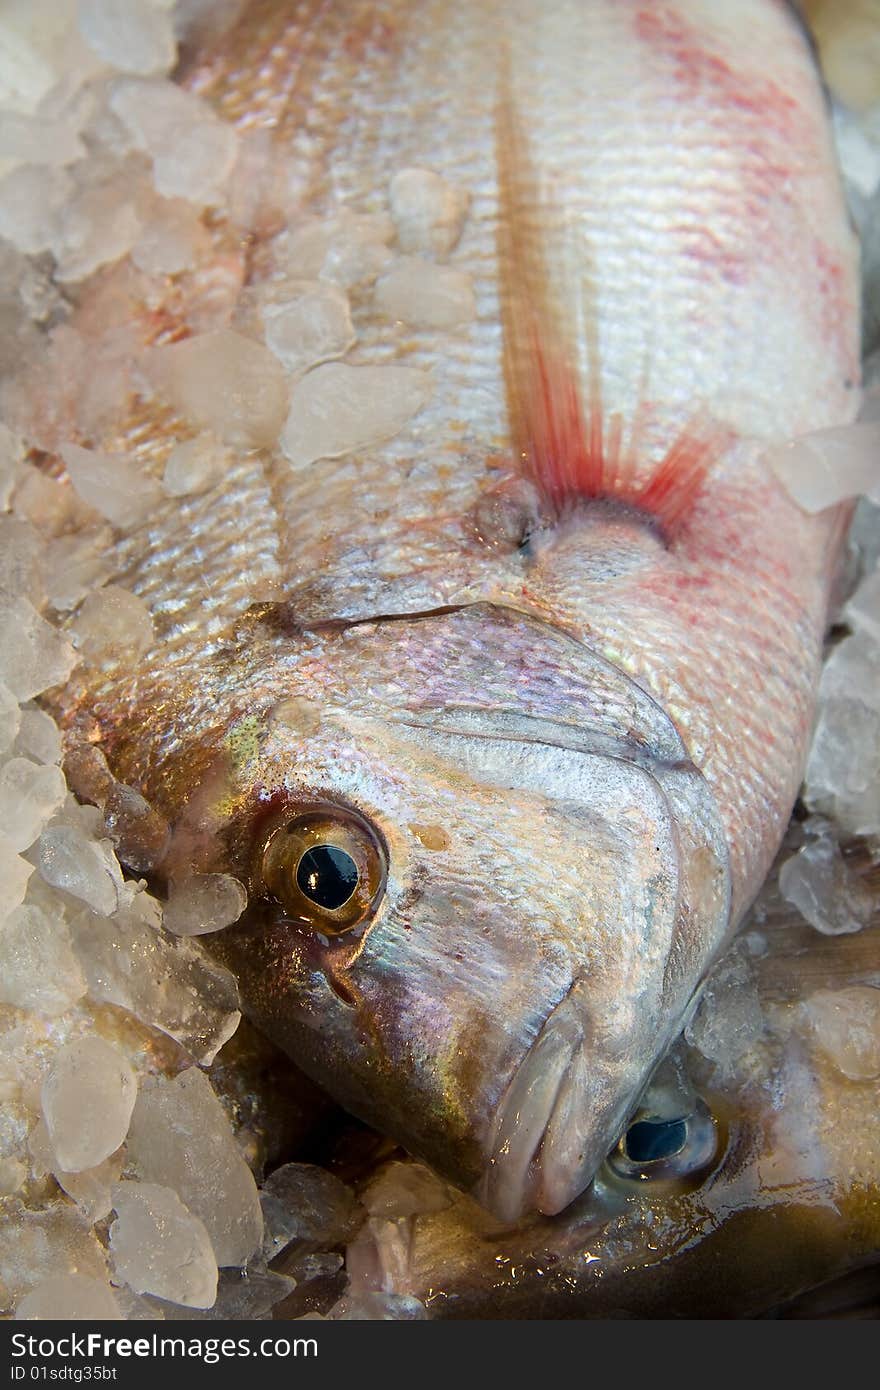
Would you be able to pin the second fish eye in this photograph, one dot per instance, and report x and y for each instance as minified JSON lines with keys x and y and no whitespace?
{"x":680,"y":1150}
{"x":325,"y":866}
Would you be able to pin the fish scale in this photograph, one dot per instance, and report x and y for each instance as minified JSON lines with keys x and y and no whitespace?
{"x":665,"y":282}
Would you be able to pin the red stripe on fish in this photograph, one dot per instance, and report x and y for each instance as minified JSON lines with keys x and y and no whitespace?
{"x":567,"y":447}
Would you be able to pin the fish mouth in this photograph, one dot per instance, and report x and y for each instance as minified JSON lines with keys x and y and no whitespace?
{"x":546,"y":1145}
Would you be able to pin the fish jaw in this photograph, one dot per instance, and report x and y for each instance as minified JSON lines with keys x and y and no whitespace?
{"x":555,"y":892}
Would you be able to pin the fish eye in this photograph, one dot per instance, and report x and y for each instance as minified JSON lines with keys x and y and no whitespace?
{"x":679,"y":1151}
{"x":326,"y":866}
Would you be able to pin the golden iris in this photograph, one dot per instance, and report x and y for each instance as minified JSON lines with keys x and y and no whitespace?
{"x":326,"y":867}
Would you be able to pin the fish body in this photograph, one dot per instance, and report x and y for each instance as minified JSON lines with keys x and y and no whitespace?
{"x":540,"y":668}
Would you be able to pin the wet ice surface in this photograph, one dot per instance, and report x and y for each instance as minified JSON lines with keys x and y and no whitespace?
{"x":225,"y":383}
{"x":33,"y":654}
{"x":159,"y":1247}
{"x":69,"y":1298}
{"x":132,"y":36}
{"x":85,"y":868}
{"x":204,"y":903}
{"x":87,"y":1098}
{"x":30,"y":794}
{"x":303,"y":1202}
{"x":312,"y":326}
{"x":123,"y":1205}
{"x":90,"y":1188}
{"x":164,"y":982}
{"x":192,"y":150}
{"x":428,"y":211}
{"x":112,"y":623}
{"x":39,"y":969}
{"x":194,"y":465}
{"x":181,"y":1138}
{"x":337,"y":408}
{"x":823,"y":888}
{"x":846,"y":1025}
{"x":425,"y":295}
{"x":112,"y":484}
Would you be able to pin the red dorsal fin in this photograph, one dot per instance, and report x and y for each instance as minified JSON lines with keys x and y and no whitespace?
{"x":568,"y":447}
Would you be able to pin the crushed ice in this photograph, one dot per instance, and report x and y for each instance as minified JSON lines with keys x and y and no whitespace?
{"x":123,"y":1173}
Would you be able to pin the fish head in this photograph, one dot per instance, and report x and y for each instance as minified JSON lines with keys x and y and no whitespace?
{"x":484,"y":885}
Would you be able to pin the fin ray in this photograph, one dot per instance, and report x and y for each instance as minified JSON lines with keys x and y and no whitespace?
{"x":564,"y":444}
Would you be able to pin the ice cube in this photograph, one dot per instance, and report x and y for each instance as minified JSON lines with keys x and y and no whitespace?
{"x":11,"y":454}
{"x":820,"y":884}
{"x":336,"y":409}
{"x":85,"y":868}
{"x":35,"y":1245}
{"x":131,"y":35}
{"x":821,"y":469}
{"x":97,"y":225}
{"x":38,"y":968}
{"x":113,"y":624}
{"x":172,"y":237}
{"x":21,"y":560}
{"x":33,"y":655}
{"x":302,"y":1201}
{"x":204,"y":903}
{"x":30,"y":794}
{"x":378,"y":1307}
{"x":139,"y":834}
{"x":75,"y":565}
{"x":195,"y":465}
{"x":243,"y":1294}
{"x":160,"y":1247}
{"x":38,"y":139}
{"x":858,"y":155}
{"x":10,"y":718}
{"x":379,"y":1256}
{"x":729,"y":1019}
{"x":31,"y":200}
{"x":69,"y":1298}
{"x":164,"y":981}
{"x":193,"y":151}
{"x":226,"y":383}
{"x":91,"y":1188}
{"x":425,"y":295}
{"x":114,"y":485}
{"x":87,"y":1100}
{"x":862,"y":611}
{"x":347,"y":249}
{"x":846,"y":1025}
{"x":39,"y":736}
{"x":843,"y":769}
{"x":312,"y":327}
{"x":181,"y":1138}
{"x":402,"y":1190}
{"x":428,"y":211}
{"x":14,"y":875}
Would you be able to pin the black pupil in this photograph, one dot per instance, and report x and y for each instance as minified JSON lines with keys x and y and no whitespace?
{"x":648,"y":1140}
{"x":327,"y":876}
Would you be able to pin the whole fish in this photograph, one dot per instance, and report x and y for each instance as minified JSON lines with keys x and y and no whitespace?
{"x":501,"y":719}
